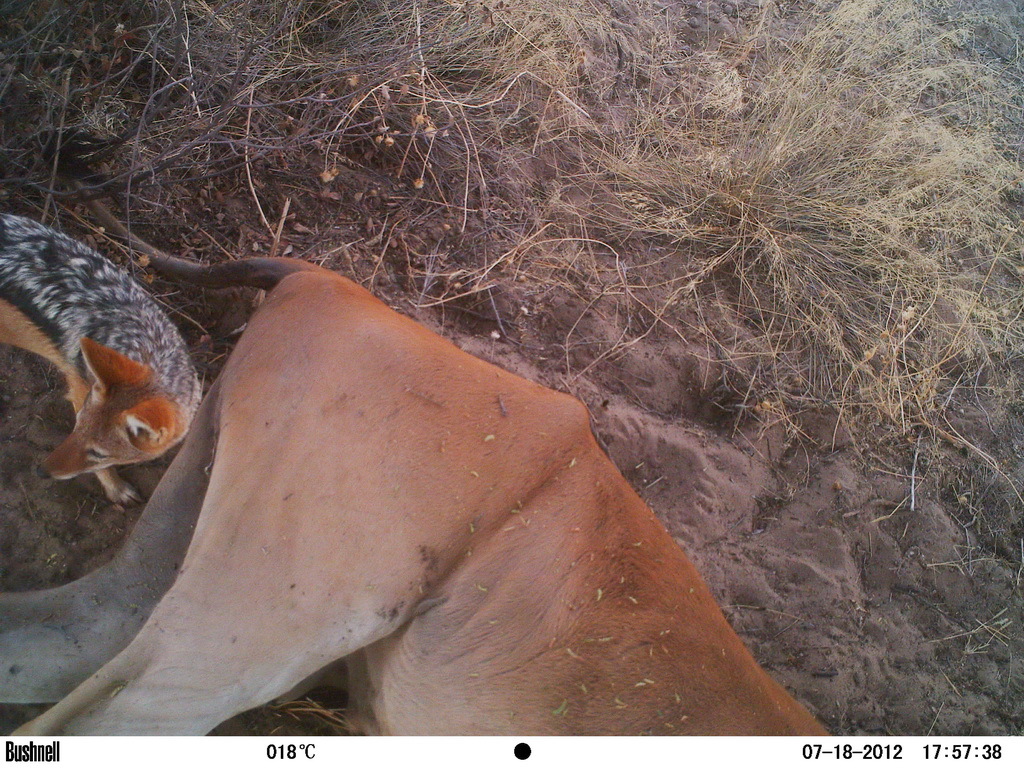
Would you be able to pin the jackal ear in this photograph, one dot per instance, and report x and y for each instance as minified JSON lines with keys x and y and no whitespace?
{"x":111,"y":368}
{"x":150,"y":424}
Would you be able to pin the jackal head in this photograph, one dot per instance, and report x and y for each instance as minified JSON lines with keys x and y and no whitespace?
{"x":124,"y":419}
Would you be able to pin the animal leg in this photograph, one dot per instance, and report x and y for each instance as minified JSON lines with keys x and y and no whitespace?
{"x":146,"y":689}
{"x":117,"y":489}
{"x":179,"y":676}
{"x":53,"y":639}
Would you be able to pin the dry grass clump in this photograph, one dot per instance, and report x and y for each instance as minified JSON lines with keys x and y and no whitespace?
{"x":848,"y":196}
{"x":435,"y":93}
{"x":836,"y":196}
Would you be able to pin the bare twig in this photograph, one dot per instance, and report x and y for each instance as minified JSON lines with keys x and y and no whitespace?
{"x":280,"y":227}
{"x":913,"y":475}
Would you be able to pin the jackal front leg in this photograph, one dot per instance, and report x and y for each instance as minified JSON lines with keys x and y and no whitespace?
{"x":117,"y":489}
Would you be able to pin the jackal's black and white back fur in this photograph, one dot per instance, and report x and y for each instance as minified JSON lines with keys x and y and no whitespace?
{"x":70,"y":291}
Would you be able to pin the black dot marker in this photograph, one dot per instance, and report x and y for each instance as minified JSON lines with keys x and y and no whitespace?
{"x":522,"y":750}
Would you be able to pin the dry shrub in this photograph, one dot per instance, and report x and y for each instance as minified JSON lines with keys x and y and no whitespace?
{"x":850,"y":195}
{"x":834,"y":197}
{"x":202,"y":88}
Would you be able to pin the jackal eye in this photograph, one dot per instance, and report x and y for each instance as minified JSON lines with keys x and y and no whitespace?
{"x":96,"y":455}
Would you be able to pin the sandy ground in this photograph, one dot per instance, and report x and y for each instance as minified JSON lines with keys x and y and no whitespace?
{"x":879,"y":618}
{"x":880,"y":584}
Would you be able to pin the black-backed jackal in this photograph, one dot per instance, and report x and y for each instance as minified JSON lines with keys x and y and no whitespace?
{"x":130,"y":379}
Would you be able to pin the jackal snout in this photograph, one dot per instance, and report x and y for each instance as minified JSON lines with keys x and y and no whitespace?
{"x":105,"y":436}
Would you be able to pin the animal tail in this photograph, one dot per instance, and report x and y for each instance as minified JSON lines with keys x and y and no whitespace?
{"x":262,"y":273}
